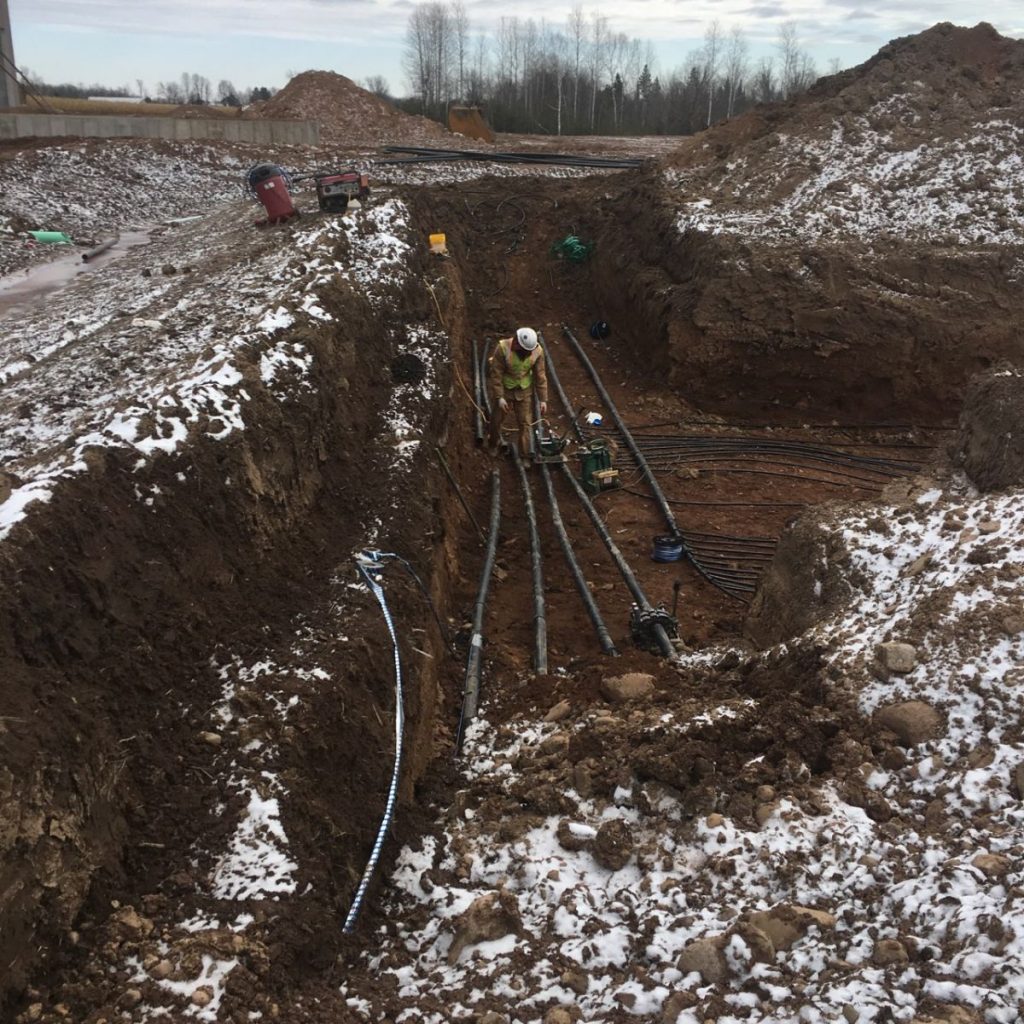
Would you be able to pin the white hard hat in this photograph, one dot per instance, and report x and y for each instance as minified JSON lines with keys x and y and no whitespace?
{"x":527,"y":338}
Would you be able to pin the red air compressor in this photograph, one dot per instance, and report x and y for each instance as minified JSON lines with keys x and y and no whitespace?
{"x":270,"y":185}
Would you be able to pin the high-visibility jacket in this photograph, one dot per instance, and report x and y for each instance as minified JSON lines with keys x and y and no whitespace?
{"x":510,"y":371}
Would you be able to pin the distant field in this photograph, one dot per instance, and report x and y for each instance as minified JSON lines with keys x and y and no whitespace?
{"x":70,"y":105}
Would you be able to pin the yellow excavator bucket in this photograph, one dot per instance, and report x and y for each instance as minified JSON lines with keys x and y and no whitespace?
{"x":469,"y":121}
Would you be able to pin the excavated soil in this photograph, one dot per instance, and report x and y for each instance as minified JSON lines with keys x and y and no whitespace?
{"x":137,"y":643}
{"x":171,"y":665}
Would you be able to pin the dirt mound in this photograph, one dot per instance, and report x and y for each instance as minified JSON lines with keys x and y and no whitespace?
{"x":348,"y":115}
{"x":991,"y":442}
{"x":918,"y":141}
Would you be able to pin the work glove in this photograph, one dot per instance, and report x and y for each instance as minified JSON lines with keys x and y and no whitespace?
{"x":543,"y":408}
{"x":503,"y":405}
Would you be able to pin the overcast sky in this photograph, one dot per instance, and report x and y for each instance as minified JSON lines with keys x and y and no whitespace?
{"x":259,"y":42}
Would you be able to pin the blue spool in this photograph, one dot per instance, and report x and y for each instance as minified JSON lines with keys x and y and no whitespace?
{"x":667,"y":548}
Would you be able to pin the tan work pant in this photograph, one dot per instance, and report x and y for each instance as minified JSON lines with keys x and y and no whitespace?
{"x":520,"y":401}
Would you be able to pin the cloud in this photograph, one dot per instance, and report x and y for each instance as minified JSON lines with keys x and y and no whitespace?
{"x":765,"y":11}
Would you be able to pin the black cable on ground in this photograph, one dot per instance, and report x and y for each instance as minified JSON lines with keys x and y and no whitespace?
{"x":458,"y":491}
{"x":471,"y":690}
{"x":660,"y":635}
{"x":540,"y":623}
{"x":478,"y":419}
{"x":721,"y":504}
{"x":603,"y":636}
{"x":485,"y":393}
{"x":556,"y":383}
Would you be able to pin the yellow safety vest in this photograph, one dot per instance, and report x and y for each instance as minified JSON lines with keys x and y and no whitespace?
{"x":518,"y":369}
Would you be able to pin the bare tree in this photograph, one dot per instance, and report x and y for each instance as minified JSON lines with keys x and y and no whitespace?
{"x":798,"y":70}
{"x":737,"y":66}
{"x":227,"y":94}
{"x":577,"y":42}
{"x":460,"y":31}
{"x":711,"y":55}
{"x":378,"y":85}
{"x":598,"y":43}
{"x":764,"y":80}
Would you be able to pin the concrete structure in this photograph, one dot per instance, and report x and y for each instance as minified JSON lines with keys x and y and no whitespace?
{"x":10,"y":94}
{"x":179,"y":129}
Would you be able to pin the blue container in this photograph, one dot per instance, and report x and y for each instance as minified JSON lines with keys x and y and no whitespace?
{"x":667,"y":548}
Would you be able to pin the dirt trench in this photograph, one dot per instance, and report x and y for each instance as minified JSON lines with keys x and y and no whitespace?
{"x":116,"y":616}
{"x":110,"y":784}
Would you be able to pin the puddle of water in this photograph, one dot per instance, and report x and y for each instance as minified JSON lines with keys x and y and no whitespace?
{"x":30,"y":287}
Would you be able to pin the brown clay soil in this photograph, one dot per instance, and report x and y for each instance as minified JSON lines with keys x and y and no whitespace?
{"x":122,"y":622}
{"x":147,"y":618}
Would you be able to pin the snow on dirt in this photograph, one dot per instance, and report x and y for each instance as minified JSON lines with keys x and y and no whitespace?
{"x":142,"y":355}
{"x":814,"y":907}
{"x":920,"y":143}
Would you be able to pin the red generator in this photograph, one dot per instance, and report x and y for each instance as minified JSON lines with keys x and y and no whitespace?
{"x":335,"y":190}
{"x":270,"y":185}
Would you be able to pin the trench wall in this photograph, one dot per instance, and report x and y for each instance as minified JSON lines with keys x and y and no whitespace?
{"x":176,"y":129}
{"x":110,"y":610}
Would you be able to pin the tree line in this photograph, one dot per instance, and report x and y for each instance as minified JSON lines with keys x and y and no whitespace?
{"x":585,"y":78}
{"x":190,"y":88}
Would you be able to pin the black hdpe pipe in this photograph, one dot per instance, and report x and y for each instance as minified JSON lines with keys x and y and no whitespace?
{"x":660,"y":636}
{"x":645,"y":470}
{"x":574,"y":417}
{"x":98,"y":250}
{"x":540,"y":622}
{"x":478,"y":418}
{"x":603,"y":636}
{"x":471,"y":691}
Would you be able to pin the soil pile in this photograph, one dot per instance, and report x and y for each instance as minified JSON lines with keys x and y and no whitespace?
{"x":348,"y":115}
{"x":918,"y":141}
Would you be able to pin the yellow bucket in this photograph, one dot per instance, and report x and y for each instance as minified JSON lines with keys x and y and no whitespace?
{"x":437,"y":244}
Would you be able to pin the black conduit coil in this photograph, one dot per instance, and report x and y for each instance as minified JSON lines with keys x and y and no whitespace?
{"x":471,"y":691}
{"x":478,"y":419}
{"x":660,"y":636}
{"x":574,"y":418}
{"x":540,"y":622}
{"x":603,"y":636}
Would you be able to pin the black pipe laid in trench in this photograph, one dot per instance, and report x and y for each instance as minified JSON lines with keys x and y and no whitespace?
{"x":645,"y":471}
{"x":471,"y":690}
{"x":660,"y":636}
{"x":641,"y":462}
{"x":603,"y":636}
{"x":540,"y":622}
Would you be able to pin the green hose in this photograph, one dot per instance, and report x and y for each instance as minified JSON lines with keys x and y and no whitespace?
{"x":572,"y":249}
{"x":54,"y":237}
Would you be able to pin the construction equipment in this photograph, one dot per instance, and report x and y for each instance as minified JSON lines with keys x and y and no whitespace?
{"x":271,"y":185}
{"x":549,"y":447}
{"x":596,"y":471}
{"x":336,"y":189}
{"x":470,"y":122}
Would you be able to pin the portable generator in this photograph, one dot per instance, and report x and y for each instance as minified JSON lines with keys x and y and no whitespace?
{"x":596,"y":471}
{"x":334,"y":191}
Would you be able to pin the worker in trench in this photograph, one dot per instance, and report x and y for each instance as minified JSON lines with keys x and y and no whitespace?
{"x":515,"y":369}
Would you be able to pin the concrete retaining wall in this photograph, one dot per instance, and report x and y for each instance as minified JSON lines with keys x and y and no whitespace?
{"x":179,"y":129}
